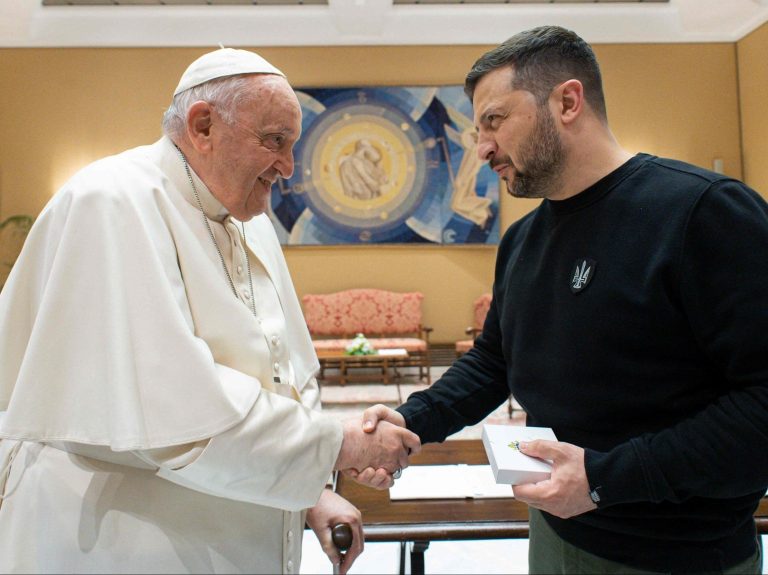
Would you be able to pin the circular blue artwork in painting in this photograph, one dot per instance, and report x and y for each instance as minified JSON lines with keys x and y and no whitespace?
{"x":375,"y":165}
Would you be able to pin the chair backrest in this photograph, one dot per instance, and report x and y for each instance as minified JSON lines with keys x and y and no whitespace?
{"x":367,"y":311}
{"x":482,"y":305}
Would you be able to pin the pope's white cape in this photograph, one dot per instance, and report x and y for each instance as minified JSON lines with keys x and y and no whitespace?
{"x":123,"y":350}
{"x":97,"y":346}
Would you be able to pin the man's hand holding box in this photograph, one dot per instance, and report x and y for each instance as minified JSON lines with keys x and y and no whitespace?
{"x":546,"y":474}
{"x":509,"y":465}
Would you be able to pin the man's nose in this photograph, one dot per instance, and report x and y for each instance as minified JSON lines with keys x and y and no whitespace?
{"x":486,"y":147}
{"x":284,"y":164}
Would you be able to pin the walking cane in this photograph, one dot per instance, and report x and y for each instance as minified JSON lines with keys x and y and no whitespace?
{"x":341,"y":535}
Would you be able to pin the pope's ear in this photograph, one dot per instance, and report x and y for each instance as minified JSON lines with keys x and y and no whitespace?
{"x":199,"y":125}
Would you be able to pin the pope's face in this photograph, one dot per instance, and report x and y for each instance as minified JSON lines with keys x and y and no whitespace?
{"x":517,"y":137}
{"x":249,"y":155}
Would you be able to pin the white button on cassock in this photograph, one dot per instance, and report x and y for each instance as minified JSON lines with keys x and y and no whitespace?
{"x":274,"y":339}
{"x":277,"y":367}
{"x":289,"y":566}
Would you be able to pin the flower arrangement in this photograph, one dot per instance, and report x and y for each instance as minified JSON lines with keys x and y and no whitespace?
{"x":360,"y":346}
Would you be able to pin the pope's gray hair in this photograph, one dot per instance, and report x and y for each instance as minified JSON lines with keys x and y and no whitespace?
{"x":224,"y":93}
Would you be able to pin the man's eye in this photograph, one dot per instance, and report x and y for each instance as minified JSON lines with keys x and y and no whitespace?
{"x":273,"y":141}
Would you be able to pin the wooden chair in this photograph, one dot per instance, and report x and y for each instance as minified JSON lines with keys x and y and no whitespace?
{"x":481,"y":306}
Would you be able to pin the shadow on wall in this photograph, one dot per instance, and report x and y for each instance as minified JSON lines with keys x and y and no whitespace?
{"x":13,"y":232}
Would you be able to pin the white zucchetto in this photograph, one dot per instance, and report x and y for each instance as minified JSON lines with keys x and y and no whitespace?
{"x":221,"y":63}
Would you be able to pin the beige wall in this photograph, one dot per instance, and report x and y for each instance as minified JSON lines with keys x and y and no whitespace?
{"x":66,"y":107}
{"x":753,"y":89}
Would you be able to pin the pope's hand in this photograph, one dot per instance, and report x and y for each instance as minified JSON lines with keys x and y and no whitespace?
{"x":329,"y":511}
{"x":387,"y":446}
{"x":566,"y":493}
{"x":376,"y":477}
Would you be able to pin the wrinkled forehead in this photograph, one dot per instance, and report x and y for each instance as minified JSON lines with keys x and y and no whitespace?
{"x":274,"y":89}
{"x":273,"y":101}
{"x":496,"y":92}
{"x":494,"y":84}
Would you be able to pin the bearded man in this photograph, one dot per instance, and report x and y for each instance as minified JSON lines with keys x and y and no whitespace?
{"x":629,"y":314}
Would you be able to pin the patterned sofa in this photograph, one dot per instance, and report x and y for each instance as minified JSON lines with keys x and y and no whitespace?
{"x":389,"y":320}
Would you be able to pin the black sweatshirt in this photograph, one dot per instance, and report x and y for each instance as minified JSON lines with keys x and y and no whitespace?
{"x":632,"y":318}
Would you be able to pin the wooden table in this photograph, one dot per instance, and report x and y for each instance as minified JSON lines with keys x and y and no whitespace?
{"x":416,"y":523}
{"x":343,"y":362}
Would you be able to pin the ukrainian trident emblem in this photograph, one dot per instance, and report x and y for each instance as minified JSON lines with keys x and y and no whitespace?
{"x":582,"y":274}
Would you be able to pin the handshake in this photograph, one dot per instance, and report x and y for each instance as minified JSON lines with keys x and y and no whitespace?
{"x":376,"y":447}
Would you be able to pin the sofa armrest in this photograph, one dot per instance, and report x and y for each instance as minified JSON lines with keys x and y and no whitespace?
{"x":473,"y":331}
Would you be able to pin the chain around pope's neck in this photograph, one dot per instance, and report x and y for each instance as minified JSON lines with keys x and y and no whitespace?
{"x":213,"y":238}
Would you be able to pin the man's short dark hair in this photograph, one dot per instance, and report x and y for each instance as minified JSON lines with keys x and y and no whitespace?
{"x":542,"y":58}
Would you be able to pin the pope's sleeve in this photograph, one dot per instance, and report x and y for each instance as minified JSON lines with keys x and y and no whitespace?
{"x":279,"y":456}
{"x":310,"y":394}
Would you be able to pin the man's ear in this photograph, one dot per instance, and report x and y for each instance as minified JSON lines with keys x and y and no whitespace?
{"x":569,"y":99}
{"x":199,"y":125}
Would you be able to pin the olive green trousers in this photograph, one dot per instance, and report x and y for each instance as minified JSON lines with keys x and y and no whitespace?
{"x":549,"y":554}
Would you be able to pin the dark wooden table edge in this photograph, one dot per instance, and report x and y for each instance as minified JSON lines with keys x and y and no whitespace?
{"x":467,"y":531}
{"x":446,"y":531}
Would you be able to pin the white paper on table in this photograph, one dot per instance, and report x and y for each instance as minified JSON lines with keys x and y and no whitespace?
{"x":448,"y":482}
{"x":392,"y":351}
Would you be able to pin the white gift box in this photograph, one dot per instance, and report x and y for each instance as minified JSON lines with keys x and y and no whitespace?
{"x":509,"y":465}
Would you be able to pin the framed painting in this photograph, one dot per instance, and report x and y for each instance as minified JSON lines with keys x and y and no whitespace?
{"x":384,"y":165}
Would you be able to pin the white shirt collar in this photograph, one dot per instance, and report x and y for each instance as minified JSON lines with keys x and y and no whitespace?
{"x":172,"y":160}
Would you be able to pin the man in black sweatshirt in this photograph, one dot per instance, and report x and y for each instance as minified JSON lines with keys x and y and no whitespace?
{"x":630,"y":314}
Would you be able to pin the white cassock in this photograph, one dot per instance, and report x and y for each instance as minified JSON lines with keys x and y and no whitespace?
{"x":148,"y":422}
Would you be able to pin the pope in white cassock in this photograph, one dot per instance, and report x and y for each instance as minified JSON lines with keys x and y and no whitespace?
{"x":158,"y":405}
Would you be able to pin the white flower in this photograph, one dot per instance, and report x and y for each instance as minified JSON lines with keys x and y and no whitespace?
{"x":360,"y":346}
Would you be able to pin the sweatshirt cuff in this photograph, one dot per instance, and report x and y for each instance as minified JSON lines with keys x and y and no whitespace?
{"x":616,"y":476}
{"x":418,"y":419}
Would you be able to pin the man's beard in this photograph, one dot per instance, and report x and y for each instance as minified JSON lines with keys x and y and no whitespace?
{"x":541,"y":160}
